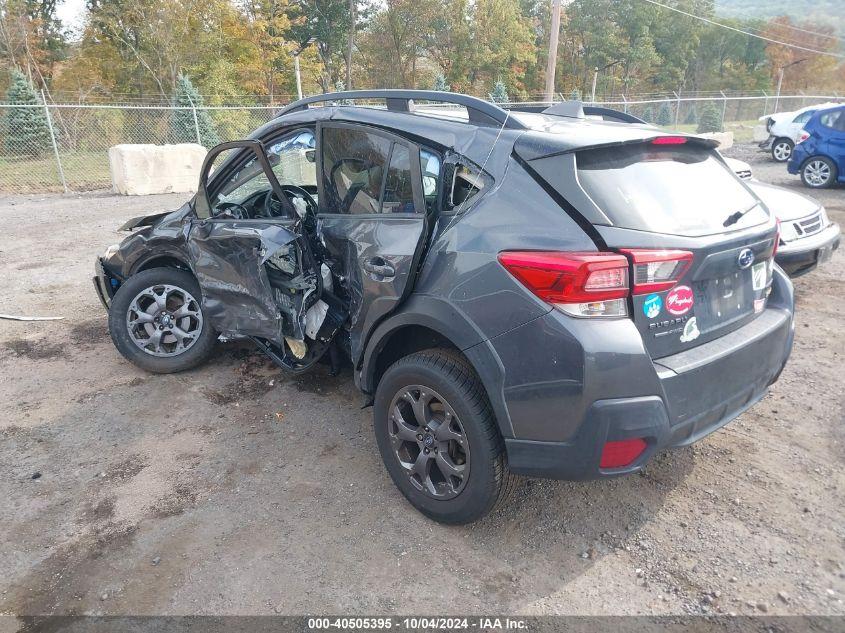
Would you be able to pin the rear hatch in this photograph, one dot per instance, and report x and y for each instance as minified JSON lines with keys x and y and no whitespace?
{"x":699,"y":242}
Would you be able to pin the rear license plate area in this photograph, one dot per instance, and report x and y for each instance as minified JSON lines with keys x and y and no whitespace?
{"x":722,"y":300}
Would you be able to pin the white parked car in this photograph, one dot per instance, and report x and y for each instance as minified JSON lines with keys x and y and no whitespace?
{"x":807,"y":236}
{"x":784,"y":130}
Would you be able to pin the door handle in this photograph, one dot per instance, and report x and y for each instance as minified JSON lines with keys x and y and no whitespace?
{"x":380,"y":267}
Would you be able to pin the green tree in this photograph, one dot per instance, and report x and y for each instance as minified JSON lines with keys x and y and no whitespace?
{"x":648,"y":114}
{"x":182,"y":123}
{"x":575,"y":95}
{"x":499,"y":93}
{"x":692,"y":117}
{"x":710,"y":120}
{"x":664,"y":114}
{"x":440,"y":83}
{"x":326,"y":24}
{"x":27,"y":131}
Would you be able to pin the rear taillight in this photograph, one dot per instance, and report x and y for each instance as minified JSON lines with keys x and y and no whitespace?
{"x":803,"y":137}
{"x":777,"y":238}
{"x":657,"y":270}
{"x":579,"y":284}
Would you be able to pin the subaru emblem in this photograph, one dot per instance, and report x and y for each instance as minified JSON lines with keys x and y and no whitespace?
{"x":746,"y":258}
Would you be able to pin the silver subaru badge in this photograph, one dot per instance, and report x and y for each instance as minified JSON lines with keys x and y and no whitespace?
{"x":746,"y":258}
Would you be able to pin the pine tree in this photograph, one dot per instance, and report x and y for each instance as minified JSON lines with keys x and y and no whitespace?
{"x":440,"y":83}
{"x":648,"y":114}
{"x":500,"y":93}
{"x":182,"y":124}
{"x":575,"y":95}
{"x":664,"y":114}
{"x":27,"y":130}
{"x":691,"y":118}
{"x":711,"y":119}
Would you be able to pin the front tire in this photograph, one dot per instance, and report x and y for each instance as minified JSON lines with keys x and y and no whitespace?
{"x":438,"y":437}
{"x":818,"y":172}
{"x":782,"y":149}
{"x":156,"y":321}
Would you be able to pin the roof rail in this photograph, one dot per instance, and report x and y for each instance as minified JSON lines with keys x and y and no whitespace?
{"x":480,"y":112}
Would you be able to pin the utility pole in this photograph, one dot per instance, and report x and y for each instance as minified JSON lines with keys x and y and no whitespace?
{"x":551,"y":64}
{"x":780,"y":79}
{"x":351,"y":43}
{"x":296,"y":53}
{"x":596,"y":72}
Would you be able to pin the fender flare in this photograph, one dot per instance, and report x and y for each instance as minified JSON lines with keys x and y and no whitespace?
{"x":449,"y":322}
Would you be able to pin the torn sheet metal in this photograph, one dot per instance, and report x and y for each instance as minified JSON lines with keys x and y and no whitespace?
{"x":229,"y":262}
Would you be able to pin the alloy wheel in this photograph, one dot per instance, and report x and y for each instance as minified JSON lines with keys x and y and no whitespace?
{"x":164,"y":320}
{"x":782,"y":151}
{"x":817,"y":173}
{"x":429,"y":442}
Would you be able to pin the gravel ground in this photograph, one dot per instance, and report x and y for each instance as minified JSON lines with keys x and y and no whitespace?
{"x":234,"y":489}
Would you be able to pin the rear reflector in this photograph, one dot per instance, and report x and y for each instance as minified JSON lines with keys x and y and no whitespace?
{"x":622,"y":453}
{"x":669,"y":140}
{"x":657,"y":270}
{"x":580,"y":284}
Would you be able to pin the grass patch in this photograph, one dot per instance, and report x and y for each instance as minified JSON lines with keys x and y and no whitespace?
{"x":83,"y":171}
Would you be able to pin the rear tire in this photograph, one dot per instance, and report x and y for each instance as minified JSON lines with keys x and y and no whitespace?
{"x":463,"y":473}
{"x":818,"y":172}
{"x":782,"y":149}
{"x":156,"y":321}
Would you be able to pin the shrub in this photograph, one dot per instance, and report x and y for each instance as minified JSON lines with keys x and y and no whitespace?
{"x":500,"y":93}
{"x":648,"y":114}
{"x":27,"y":130}
{"x":440,"y":83}
{"x":665,"y":114}
{"x":711,"y":119}
{"x":182,"y":124}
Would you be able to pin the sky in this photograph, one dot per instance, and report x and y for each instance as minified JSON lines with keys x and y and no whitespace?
{"x":71,"y":13}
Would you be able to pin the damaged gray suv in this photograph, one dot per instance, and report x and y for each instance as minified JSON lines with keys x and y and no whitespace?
{"x":534,"y":293}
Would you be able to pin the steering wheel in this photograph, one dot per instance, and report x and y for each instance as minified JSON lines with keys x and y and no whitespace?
{"x":271,"y":201}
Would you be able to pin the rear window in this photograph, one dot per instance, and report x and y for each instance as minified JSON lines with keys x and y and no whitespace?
{"x":679,"y":189}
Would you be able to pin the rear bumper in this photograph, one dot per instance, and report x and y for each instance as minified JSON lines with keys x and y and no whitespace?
{"x":767,"y":144}
{"x":804,"y":255}
{"x":700,"y":390}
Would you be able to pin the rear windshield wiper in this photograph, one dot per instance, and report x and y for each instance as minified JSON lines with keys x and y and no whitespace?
{"x":733,"y":218}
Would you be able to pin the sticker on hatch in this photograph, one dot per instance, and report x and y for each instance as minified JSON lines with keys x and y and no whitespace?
{"x":652,"y":305}
{"x":679,"y":300}
{"x":690,"y":331}
{"x":758,"y":276}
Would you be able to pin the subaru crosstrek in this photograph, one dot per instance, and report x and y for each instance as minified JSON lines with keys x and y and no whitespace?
{"x":518,"y":293}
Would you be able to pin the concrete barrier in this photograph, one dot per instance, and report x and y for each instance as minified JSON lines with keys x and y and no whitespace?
{"x":140,"y":170}
{"x":725,"y":139}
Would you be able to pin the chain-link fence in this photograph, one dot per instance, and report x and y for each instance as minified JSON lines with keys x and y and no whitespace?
{"x":64,"y":147}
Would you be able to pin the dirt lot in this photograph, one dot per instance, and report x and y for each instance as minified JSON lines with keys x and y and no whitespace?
{"x":233,"y":489}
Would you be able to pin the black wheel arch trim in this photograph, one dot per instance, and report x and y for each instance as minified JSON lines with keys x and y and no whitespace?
{"x":441,"y":317}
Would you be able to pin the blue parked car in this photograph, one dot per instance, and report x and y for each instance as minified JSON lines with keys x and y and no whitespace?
{"x":819,"y":155}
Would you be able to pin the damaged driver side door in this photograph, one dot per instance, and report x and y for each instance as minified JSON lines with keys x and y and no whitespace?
{"x":251,"y":251}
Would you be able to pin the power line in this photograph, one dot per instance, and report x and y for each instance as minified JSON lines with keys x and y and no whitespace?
{"x":731,"y":28}
{"x":745,"y":16}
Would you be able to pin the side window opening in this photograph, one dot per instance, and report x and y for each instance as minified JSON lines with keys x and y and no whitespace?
{"x":467,"y":182}
{"x":366,"y":173}
{"x":430,"y":168}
